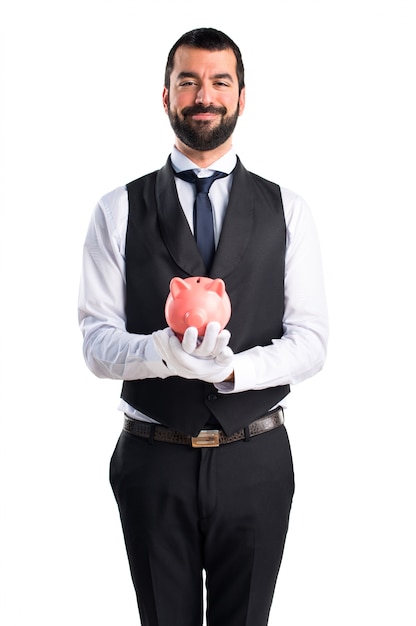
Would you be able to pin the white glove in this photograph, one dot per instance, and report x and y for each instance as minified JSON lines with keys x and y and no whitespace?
{"x":212,"y":343}
{"x":210,"y":361}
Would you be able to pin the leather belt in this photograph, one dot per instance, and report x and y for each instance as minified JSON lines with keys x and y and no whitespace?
{"x":206,"y":438}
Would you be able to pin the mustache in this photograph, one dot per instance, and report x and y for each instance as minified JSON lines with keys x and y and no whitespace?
{"x":196,"y":109}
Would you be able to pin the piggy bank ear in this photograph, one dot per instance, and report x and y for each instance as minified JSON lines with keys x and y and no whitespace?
{"x":218,"y":286}
{"x":177,"y":285}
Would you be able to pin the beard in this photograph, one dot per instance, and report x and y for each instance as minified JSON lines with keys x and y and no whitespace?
{"x":200,"y":135}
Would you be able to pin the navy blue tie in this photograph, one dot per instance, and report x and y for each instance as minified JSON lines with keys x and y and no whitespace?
{"x":203,"y":221}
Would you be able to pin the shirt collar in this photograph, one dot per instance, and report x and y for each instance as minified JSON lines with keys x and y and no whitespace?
{"x":224,"y":164}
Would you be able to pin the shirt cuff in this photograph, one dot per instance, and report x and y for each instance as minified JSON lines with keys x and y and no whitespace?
{"x":244,"y":375}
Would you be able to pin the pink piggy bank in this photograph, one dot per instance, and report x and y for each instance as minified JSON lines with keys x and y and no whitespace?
{"x":196,"y":301}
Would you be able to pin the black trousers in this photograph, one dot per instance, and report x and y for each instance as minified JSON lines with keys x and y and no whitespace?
{"x":223,"y":510}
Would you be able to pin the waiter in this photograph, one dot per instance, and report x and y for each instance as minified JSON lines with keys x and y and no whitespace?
{"x":202,"y":471}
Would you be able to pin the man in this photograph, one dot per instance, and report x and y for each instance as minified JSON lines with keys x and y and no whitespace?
{"x":192,"y":501}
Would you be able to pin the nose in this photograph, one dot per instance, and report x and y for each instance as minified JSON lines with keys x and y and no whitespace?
{"x":203,"y":96}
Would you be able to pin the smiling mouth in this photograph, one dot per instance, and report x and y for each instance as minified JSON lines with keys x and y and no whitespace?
{"x":204,"y":117}
{"x":200,"y":114}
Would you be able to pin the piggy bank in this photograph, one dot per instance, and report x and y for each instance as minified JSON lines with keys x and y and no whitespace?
{"x":196,"y":301}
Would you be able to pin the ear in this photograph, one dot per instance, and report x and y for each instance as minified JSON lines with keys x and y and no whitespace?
{"x":242,"y":101}
{"x":165,"y":98}
{"x":218,"y":286}
{"x":177,"y":285}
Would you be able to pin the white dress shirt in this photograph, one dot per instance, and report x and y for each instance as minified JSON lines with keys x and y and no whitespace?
{"x":112,"y":352}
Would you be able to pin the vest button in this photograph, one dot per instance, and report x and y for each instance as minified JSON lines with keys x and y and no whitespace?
{"x":211,"y":397}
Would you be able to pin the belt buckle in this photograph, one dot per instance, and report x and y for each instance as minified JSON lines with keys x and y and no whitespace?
{"x":206,"y":439}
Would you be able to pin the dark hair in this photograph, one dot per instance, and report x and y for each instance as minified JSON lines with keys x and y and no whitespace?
{"x":206,"y":39}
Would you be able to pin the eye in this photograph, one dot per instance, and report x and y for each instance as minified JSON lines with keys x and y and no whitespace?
{"x":221,"y":83}
{"x":187,"y":83}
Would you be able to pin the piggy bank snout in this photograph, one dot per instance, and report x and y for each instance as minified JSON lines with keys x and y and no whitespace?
{"x":196,"y":317}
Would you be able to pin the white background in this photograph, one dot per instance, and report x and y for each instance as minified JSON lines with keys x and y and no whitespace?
{"x":331,"y":115}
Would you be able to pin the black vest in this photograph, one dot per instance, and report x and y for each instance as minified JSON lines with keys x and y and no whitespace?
{"x":250,"y":258}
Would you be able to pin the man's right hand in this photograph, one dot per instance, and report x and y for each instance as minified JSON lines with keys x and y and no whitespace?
{"x":211,"y":360}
